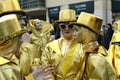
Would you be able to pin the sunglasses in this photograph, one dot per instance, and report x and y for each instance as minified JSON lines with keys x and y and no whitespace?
{"x":63,"y":26}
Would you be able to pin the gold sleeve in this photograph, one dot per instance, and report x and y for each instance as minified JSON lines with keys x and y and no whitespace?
{"x":27,"y":55}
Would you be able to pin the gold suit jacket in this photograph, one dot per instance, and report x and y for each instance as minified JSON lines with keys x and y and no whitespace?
{"x":98,"y":66}
{"x":66,"y":66}
{"x":9,"y":70}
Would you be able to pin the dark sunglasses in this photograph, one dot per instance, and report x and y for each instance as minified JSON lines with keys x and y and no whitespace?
{"x":63,"y":26}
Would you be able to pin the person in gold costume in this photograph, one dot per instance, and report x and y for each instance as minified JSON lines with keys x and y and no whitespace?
{"x":16,"y":57}
{"x":61,"y":53}
{"x":40,"y":34}
{"x":114,"y":50}
{"x":94,"y":59}
{"x":40,"y":37}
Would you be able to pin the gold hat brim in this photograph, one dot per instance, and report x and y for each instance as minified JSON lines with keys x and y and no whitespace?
{"x":82,"y":25}
{"x":13,"y":12}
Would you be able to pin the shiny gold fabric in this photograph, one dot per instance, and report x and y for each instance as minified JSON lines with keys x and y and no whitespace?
{"x":89,"y":21}
{"x":46,"y":27}
{"x":12,"y":67}
{"x":40,"y":39}
{"x":9,"y":28}
{"x":40,"y":42}
{"x":67,"y":16}
{"x":9,"y":6}
{"x":114,"y":50}
{"x":97,"y":66}
{"x":116,"y":26}
{"x":29,"y":77}
{"x":114,"y":53}
{"x":27,"y":54}
{"x":7,"y":50}
{"x":9,"y":70}
{"x":18,"y":67}
{"x":66,"y":66}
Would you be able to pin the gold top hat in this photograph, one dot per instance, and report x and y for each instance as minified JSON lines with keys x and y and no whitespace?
{"x":89,"y":21}
{"x":67,"y":16}
{"x":9,"y":27}
{"x":10,"y":6}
